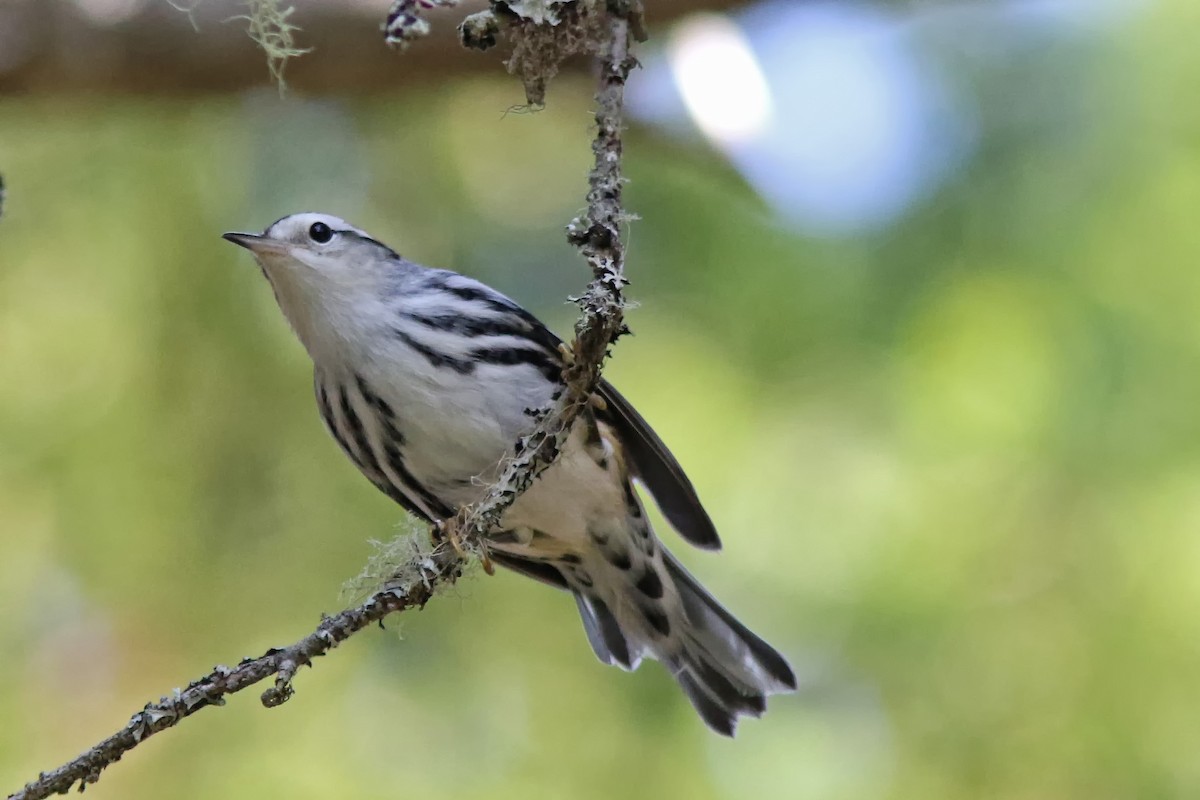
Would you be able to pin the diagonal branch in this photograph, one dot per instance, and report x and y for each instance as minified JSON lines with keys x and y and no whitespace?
{"x":439,"y":568}
{"x":598,"y":236}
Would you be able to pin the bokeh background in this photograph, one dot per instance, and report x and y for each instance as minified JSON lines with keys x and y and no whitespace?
{"x":919,"y":310}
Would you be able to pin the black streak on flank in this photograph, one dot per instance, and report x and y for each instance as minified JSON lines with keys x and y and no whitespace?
{"x":395,"y":460}
{"x":371,"y":470}
{"x":323,"y":406}
{"x":366,"y":457}
{"x":331,"y":422}
{"x":386,"y":416}
{"x":373,"y":400}
{"x":400,"y":499}
{"x":335,"y":429}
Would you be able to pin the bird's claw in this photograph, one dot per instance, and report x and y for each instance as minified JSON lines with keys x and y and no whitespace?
{"x":446,"y":531}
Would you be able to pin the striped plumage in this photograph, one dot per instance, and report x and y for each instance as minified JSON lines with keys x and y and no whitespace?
{"x":426,"y":377}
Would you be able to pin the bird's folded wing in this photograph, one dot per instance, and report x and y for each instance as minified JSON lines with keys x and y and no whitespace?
{"x":659,"y":471}
{"x":652,"y":461}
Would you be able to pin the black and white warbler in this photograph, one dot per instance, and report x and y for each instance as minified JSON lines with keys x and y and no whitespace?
{"x":424,"y":377}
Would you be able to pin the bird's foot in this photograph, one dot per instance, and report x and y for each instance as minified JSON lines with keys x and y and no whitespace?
{"x":486,"y":562}
{"x":446,"y":530}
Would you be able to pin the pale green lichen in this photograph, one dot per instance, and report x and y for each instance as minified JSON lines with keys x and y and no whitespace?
{"x":402,"y":563}
{"x":270,"y":28}
{"x":267,"y":24}
{"x":189,"y":9}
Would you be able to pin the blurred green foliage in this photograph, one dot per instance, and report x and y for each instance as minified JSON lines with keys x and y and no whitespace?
{"x":957,"y":464}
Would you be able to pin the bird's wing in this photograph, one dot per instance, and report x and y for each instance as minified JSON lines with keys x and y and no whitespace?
{"x":530,"y":568}
{"x":652,"y":462}
{"x":658,"y":469}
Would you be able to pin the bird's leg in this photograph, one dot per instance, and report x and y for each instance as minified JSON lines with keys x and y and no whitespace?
{"x":446,"y":530}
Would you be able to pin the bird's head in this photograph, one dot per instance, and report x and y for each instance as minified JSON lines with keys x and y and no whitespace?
{"x":316,"y":247}
{"x":328,"y":276}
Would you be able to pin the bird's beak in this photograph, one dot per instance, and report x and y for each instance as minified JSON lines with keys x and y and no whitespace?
{"x":254,"y":242}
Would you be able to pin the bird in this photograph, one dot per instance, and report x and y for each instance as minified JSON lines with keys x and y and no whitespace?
{"x":426,"y":378}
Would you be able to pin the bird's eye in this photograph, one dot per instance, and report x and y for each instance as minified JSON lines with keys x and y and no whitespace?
{"x":320,"y":233}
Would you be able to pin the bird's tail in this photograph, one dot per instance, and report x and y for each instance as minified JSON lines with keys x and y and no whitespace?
{"x":724,"y":668}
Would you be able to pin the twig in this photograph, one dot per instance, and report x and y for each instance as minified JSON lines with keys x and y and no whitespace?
{"x":405,"y":24}
{"x":598,"y":236}
{"x":439,"y":568}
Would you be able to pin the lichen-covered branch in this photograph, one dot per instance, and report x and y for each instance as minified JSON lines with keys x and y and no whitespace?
{"x":405,"y":24}
{"x":269,"y":26}
{"x":544,"y":33}
{"x":598,"y":236}
{"x":431,"y":570}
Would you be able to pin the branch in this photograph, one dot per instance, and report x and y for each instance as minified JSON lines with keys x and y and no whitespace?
{"x":438,"y":568}
{"x":404,"y":23}
{"x":598,"y":236}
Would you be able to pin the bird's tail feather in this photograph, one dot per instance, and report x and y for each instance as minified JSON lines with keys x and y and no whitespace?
{"x":604,"y":632}
{"x":724,"y":668}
